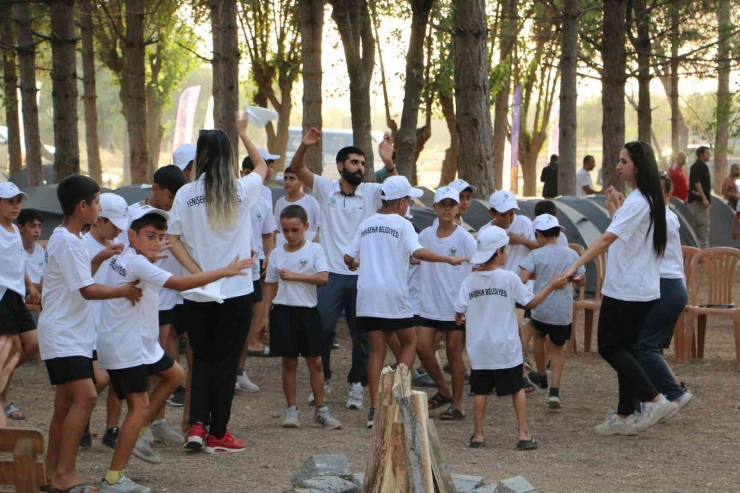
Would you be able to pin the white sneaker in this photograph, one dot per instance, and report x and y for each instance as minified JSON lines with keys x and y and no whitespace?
{"x":161,"y":432}
{"x":323,"y":417}
{"x":124,"y":485}
{"x":614,"y":425}
{"x":354,"y":400}
{"x":150,"y":437}
{"x":144,"y":451}
{"x":553,"y":402}
{"x":244,"y":384}
{"x":291,"y":417}
{"x":327,"y":391}
{"x":653,"y":412}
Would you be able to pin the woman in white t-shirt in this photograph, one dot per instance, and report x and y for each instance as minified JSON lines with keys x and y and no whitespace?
{"x":636,"y":241}
{"x":209,"y":227}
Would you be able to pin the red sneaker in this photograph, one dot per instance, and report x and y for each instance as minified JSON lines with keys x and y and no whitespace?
{"x":224,"y":445}
{"x":196,"y":437}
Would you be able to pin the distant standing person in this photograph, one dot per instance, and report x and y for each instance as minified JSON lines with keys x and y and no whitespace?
{"x":584,"y":182}
{"x":700,"y":194}
{"x":678,"y":177}
{"x":729,"y":186}
{"x":549,"y":177}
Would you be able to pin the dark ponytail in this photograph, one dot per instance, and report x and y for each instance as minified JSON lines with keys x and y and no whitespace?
{"x":648,"y":182}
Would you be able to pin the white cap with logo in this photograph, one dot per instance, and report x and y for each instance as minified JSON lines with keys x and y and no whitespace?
{"x":8,"y":190}
{"x":546,"y":221}
{"x":398,"y":187}
{"x":145,"y":210}
{"x":183,"y":155}
{"x":115,"y":209}
{"x":461,"y":185}
{"x":446,"y":193}
{"x":503,"y":201}
{"x":489,"y":240}
{"x":267,"y":156}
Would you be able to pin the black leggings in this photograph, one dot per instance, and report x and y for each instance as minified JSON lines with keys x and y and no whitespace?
{"x":620,"y":324}
{"x":217,"y":333}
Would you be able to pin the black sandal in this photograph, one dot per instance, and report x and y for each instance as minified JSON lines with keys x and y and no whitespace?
{"x":438,"y":400}
{"x":452,"y":414}
{"x":528,"y":387}
{"x":477,"y":444}
{"x":527,"y":444}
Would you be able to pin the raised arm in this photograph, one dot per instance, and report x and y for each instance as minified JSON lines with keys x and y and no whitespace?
{"x":311,"y":138}
{"x":385,"y":149}
{"x":259,"y":163}
{"x":597,"y":248}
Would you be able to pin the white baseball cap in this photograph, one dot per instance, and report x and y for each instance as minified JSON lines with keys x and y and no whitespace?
{"x":446,"y":193}
{"x":503,"y":201}
{"x":115,"y":209}
{"x":398,"y":187}
{"x":183,"y":155}
{"x":545,"y":222}
{"x":8,"y":190}
{"x":461,"y":185}
{"x":146,"y":210}
{"x":267,"y":156}
{"x":489,"y":240}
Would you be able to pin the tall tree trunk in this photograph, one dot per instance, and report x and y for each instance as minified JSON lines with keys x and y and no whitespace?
{"x":507,"y":41}
{"x":229,"y":70}
{"x":642,"y":46}
{"x":280,"y":144}
{"x":673,"y":97}
{"x":449,"y":164}
{"x":312,"y":27}
{"x":406,"y":140}
{"x":10,"y":85}
{"x":135,"y":74}
{"x":216,"y":60}
{"x":154,"y":129}
{"x":724,"y":97}
{"x":90,"y":96}
{"x":472,"y":96}
{"x":614,"y":55}
{"x":568,"y":124}
{"x":27,"y":62}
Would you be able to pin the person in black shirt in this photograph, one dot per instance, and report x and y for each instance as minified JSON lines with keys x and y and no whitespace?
{"x":700,"y":194}
{"x":550,"y":178}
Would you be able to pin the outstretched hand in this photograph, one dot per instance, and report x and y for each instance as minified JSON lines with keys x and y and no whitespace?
{"x":559,"y":281}
{"x":312,"y":137}
{"x":385,"y":149}
{"x":458,"y":260}
{"x":111,"y":251}
{"x":237,"y":267}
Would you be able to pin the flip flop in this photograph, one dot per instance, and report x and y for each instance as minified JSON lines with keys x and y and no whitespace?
{"x":452,"y":414}
{"x":12,"y":412}
{"x":438,"y":400}
{"x":78,"y":488}
{"x":477,"y":444}
{"x":265,"y":353}
{"x":528,"y":444}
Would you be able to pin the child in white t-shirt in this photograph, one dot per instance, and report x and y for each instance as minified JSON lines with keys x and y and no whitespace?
{"x":440,"y":285}
{"x":128,"y":337}
{"x":385,"y":241}
{"x":294,"y":271}
{"x":486,"y":304}
{"x":30,"y":222}
{"x":294,"y":186}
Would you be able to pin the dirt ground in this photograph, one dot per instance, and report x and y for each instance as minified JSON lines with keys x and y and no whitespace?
{"x":697,"y":451}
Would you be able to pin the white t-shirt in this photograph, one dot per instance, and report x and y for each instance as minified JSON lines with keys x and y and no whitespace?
{"x":128,"y":335}
{"x":213,"y":249}
{"x":488,"y":299}
{"x":266,"y":194}
{"x":341,"y":216}
{"x":13,"y":265}
{"x":633,"y":269}
{"x":384,"y":242}
{"x":263,"y":223}
{"x":522,"y":226}
{"x":583,"y":179}
{"x":440,"y":283}
{"x":35,"y":262}
{"x":671,"y":267}
{"x":311,"y":206}
{"x":65,"y":328}
{"x":95,"y":307}
{"x":414,"y":281}
{"x":308,"y":260}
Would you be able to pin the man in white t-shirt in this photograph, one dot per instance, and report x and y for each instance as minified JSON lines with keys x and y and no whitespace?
{"x":584,"y":182}
{"x":344,"y":205}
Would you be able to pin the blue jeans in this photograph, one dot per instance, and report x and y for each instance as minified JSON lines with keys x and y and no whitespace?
{"x":341,"y":294}
{"x":657,"y":333}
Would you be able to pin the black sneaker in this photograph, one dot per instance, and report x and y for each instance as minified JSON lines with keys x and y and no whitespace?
{"x":86,"y":440}
{"x":177,"y":399}
{"x":111,"y":438}
{"x":539,"y":381}
{"x":334,"y":343}
{"x":370,"y":417}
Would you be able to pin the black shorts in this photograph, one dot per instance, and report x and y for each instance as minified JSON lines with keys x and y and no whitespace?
{"x":15,"y":318}
{"x":69,"y":369}
{"x":371,"y":324}
{"x":442,"y":325}
{"x":559,"y":334}
{"x":127,"y":381}
{"x":95,"y":355}
{"x":295,"y":331}
{"x":527,"y":313}
{"x":257,"y":295}
{"x":167,"y":317}
{"x":507,"y":381}
{"x":180,"y":326}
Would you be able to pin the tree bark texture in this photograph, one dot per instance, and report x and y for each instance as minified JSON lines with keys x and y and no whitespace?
{"x":10,"y":85}
{"x":135,"y":74}
{"x":673,"y":97}
{"x":472,"y":96}
{"x":27,"y":62}
{"x":216,"y":60}
{"x":724,"y":97}
{"x":405,"y":143}
{"x":229,"y":70}
{"x":154,"y":129}
{"x":568,"y":125}
{"x":641,"y":44}
{"x":90,"y":96}
{"x":312,"y":28}
{"x":355,"y":29}
{"x":449,"y":164}
{"x":614,"y":56}
{"x":507,"y":42}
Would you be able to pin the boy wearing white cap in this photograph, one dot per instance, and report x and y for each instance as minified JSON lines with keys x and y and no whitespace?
{"x":385,"y":241}
{"x":128,"y":337}
{"x":486,"y":304}
{"x":440,"y":285}
{"x":183,"y":158}
{"x":248,"y":167}
{"x":554,"y":316}
{"x":466,"y":191}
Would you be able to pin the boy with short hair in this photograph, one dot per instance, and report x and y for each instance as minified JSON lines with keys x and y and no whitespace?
{"x":128,"y":338}
{"x":549,"y":207}
{"x":30,"y":222}
{"x":554,"y":317}
{"x":296,"y":196}
{"x":248,"y":167}
{"x":486,"y":304}
{"x":294,"y":271}
{"x":66,"y":333}
{"x":385,"y":241}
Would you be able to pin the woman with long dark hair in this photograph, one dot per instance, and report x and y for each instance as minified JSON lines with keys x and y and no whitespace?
{"x":636,"y":241}
{"x":209,"y":226}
